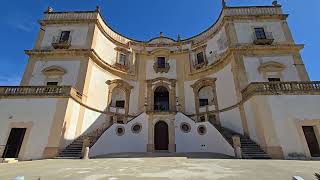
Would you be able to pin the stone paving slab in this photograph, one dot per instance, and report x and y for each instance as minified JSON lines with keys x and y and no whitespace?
{"x":160,"y":168}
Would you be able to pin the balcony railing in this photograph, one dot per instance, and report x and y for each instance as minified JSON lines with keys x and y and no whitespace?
{"x":39,"y":91}
{"x":281,"y":88}
{"x":265,"y":40}
{"x":59,"y":43}
{"x":161,"y":68}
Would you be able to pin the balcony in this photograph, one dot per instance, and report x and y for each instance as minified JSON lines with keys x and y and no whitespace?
{"x":40,"y":91}
{"x":266,"y":39}
{"x":281,"y":88}
{"x":161,"y":68}
{"x":58,"y":43}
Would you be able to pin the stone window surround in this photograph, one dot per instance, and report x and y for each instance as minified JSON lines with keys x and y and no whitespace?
{"x":153,"y":84}
{"x":195,"y":51}
{"x":53,"y":74}
{"x":136,"y":132}
{"x":205,"y":130}
{"x":189,"y":127}
{"x":271,"y":67}
{"x":123,"y":130}
{"x":123,"y":85}
{"x":197,"y":86}
{"x":308,"y":122}
{"x":127,"y":53}
{"x":161,"y":70}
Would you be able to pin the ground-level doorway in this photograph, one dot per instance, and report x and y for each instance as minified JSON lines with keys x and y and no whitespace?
{"x":14,"y":143}
{"x":312,"y":141}
{"x":161,"y":136}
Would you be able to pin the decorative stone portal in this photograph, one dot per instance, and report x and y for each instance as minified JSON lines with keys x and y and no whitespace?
{"x":161,"y":90}
{"x":161,"y":99}
{"x":161,"y":136}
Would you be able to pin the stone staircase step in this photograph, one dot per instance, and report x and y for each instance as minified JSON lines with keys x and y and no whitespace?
{"x":74,"y":150}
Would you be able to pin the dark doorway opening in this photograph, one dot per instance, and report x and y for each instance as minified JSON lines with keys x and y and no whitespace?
{"x":161,"y":136}
{"x":311,"y":141}
{"x":14,"y":143}
{"x":161,"y":99}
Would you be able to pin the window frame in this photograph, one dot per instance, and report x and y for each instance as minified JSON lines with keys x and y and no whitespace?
{"x":62,"y":38}
{"x":203,"y":100}
{"x":161,"y":62}
{"x":122,"y":104}
{"x":260,"y":33}
{"x":52,"y":83}
{"x":203,"y":57}
{"x":121,"y":56}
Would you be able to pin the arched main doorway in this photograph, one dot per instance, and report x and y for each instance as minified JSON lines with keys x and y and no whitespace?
{"x":161,"y":136}
{"x":161,"y":99}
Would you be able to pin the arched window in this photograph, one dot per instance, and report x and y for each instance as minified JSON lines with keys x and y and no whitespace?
{"x":161,"y":99}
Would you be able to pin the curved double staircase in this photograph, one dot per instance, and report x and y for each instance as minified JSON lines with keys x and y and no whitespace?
{"x":250,"y":149}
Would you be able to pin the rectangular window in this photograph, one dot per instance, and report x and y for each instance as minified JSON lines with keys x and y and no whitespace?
{"x":161,"y":62}
{"x":203,"y":102}
{"x":200,"y":58}
{"x":274,"y":79}
{"x":52,"y":83}
{"x":122,"y":59}
{"x":260,"y":34}
{"x":64,"y":37}
{"x":120,"y":104}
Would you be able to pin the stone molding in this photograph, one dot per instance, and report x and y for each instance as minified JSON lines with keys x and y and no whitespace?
{"x":197,"y":86}
{"x":54,"y":71}
{"x":169,"y":84}
{"x":122,"y":85}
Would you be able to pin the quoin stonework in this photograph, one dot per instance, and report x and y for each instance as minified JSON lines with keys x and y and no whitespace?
{"x":240,"y":88}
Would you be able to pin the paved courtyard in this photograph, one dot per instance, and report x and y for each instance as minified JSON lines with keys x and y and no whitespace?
{"x":160,"y":168}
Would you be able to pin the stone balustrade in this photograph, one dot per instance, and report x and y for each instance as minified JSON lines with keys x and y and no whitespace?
{"x":281,"y":88}
{"x":39,"y":91}
{"x":254,"y":10}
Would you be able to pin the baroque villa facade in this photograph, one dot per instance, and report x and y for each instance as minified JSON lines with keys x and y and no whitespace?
{"x":240,"y":88}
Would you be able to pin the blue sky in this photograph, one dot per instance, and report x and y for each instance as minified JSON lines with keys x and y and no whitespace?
{"x":143,"y":20}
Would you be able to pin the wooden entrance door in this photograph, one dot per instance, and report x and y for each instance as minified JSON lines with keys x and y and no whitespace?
{"x":161,"y":136}
{"x":311,"y":141}
{"x":14,"y":143}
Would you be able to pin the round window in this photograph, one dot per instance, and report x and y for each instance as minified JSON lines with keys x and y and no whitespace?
{"x":185,"y":127}
{"x":120,"y":130}
{"x":136,"y":128}
{"x":202,"y":130}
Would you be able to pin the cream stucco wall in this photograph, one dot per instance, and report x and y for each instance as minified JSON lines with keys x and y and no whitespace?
{"x":212,"y":141}
{"x":277,"y":117}
{"x":245,"y":30}
{"x":151,"y":74}
{"x":105,"y":48}
{"x":252,"y":65}
{"x":78,"y":35}
{"x":39,"y":112}
{"x":287,"y":111}
{"x":70,"y":134}
{"x":69,"y":79}
{"x":110,"y":142}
